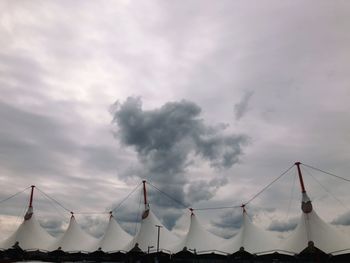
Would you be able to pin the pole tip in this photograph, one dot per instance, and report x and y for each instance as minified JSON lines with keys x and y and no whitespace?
{"x":297,"y":163}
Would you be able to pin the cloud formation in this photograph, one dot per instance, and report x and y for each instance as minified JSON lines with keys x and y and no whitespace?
{"x":168,"y":138}
{"x":241,"y":108}
{"x":283,"y":226}
{"x":343,"y":219}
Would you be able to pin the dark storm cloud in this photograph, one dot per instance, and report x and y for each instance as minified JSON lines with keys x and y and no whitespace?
{"x":169,"y":217}
{"x":241,"y":107}
{"x":203,"y":190}
{"x":283,"y":226}
{"x":165,"y":137}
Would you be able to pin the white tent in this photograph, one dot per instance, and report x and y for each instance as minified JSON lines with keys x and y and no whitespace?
{"x":312,"y":228}
{"x":75,"y":239}
{"x":30,"y":235}
{"x":115,"y":238}
{"x":147,"y":236}
{"x":253,"y":239}
{"x":198,"y":239}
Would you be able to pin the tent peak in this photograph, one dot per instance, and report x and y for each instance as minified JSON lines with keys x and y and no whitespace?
{"x":243,"y":208}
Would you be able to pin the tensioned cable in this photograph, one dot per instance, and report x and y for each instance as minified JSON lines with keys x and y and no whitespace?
{"x":138,"y":214}
{"x":267,"y":186}
{"x":22,"y":213}
{"x":91,"y":213}
{"x":121,"y":202}
{"x":325,"y":189}
{"x":170,"y":197}
{"x":54,"y":200}
{"x":291,"y":196}
{"x":11,"y":196}
{"x":216,"y":208}
{"x":317,"y":169}
{"x":53,"y":204}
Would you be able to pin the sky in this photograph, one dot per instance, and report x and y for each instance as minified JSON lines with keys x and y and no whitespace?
{"x":208,"y":101}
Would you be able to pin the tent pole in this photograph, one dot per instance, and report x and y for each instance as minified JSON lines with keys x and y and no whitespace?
{"x":31,"y":196}
{"x":306,"y":205}
{"x":144,"y":193}
{"x":300,"y":177}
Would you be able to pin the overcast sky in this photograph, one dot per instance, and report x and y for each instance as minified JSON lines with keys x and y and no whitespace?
{"x":208,"y":100}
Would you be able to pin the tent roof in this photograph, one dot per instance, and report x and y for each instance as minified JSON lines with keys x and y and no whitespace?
{"x":75,"y":239}
{"x":30,"y":236}
{"x":147,"y":235}
{"x":253,"y":239}
{"x":199,"y":239}
{"x":115,"y":238}
{"x":312,"y":228}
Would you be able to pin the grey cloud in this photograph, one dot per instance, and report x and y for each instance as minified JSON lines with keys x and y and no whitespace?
{"x":241,"y":107}
{"x":54,"y":226}
{"x":170,"y":216}
{"x":165,"y":137}
{"x":343,"y":219}
{"x":229,"y":220}
{"x":203,"y":190}
{"x":228,"y":223}
{"x":283,"y":226}
{"x":94,"y":225}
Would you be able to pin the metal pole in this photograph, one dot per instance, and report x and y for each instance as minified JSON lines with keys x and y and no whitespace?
{"x":144,"y":193}
{"x":300,"y":177}
{"x":31,"y":196}
{"x":159,"y":227}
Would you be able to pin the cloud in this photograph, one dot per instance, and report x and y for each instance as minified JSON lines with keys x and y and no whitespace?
{"x":227,"y":224}
{"x":241,"y":108}
{"x":203,"y":190}
{"x":167,"y":138}
{"x":53,"y":225}
{"x":94,"y":225}
{"x":283,"y":226}
{"x":343,"y":219}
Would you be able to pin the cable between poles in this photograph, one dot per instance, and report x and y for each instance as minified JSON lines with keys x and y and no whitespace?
{"x":317,"y":169}
{"x":267,"y":186}
{"x":11,"y":196}
{"x":54,"y":200}
{"x":170,"y":197}
{"x":121,"y":202}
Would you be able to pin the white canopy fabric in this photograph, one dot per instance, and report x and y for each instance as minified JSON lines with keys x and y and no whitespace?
{"x":30,"y":236}
{"x":253,"y":239}
{"x":199,"y":239}
{"x":75,"y":239}
{"x":115,"y":238}
{"x":147,"y":235}
{"x":312,"y":228}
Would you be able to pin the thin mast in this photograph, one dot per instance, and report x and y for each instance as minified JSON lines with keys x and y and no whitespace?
{"x":300,"y":177}
{"x":144,"y":193}
{"x":306,"y":205}
{"x":29,"y":213}
{"x":146,"y":212}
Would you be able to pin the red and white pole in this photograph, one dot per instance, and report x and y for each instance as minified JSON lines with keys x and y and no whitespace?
{"x":306,"y":205}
